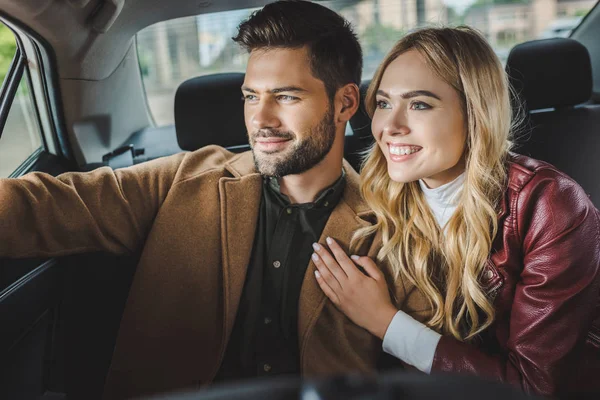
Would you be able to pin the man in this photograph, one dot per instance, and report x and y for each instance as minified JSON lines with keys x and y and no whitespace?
{"x":224,"y":288}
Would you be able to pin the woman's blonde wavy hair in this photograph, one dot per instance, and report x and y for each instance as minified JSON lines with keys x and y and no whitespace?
{"x":446,"y":268}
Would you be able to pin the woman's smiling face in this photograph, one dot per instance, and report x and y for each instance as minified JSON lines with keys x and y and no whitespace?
{"x":419,"y":123}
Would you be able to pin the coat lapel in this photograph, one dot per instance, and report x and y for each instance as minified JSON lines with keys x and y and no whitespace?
{"x":345,"y":219}
{"x":240,"y":204}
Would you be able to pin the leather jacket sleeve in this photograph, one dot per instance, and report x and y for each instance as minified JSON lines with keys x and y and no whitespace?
{"x":557,"y":228}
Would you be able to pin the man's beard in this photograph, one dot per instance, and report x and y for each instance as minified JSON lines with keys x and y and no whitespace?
{"x":301,"y":156}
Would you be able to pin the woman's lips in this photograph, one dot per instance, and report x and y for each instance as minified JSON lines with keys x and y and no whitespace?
{"x":402,"y":152}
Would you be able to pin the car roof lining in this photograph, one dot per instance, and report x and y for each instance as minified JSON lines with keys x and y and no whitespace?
{"x":84,"y":53}
{"x":81,"y":51}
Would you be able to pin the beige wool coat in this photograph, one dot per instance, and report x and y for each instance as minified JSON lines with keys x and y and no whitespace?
{"x":193,"y":216}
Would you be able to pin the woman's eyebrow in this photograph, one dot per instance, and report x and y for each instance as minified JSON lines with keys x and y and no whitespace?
{"x":415,"y":93}
{"x":411,"y":94}
{"x":382,"y":93}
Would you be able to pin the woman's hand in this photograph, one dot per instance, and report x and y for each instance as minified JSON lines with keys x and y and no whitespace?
{"x":364,"y":299}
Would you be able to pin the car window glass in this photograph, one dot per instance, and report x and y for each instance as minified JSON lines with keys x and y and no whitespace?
{"x":172,"y":51}
{"x":8,"y":49}
{"x":21,"y":135}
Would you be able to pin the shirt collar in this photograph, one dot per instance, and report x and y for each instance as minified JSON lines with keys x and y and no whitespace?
{"x":446,"y":194}
{"x":327,"y":197}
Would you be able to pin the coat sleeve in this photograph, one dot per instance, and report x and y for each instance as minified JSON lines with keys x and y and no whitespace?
{"x":101,"y":210}
{"x":555,"y":296}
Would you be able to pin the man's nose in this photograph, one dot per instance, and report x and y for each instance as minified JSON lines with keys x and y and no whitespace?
{"x":264,"y":116}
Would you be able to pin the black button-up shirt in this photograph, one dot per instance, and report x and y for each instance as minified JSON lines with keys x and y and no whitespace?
{"x":264,"y":340}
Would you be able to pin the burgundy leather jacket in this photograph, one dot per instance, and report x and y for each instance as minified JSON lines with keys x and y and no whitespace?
{"x":544,"y":276}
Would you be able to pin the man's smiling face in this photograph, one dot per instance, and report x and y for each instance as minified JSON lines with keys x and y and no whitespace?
{"x":289,"y":117}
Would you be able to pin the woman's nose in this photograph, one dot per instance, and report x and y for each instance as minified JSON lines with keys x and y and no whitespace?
{"x":395,"y":123}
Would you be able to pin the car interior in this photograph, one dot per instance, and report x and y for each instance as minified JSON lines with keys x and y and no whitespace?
{"x":59,"y":317}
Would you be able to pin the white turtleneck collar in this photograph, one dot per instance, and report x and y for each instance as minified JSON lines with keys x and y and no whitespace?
{"x":443,"y":200}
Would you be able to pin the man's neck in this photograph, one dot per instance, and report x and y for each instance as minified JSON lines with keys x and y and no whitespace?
{"x":305,"y":187}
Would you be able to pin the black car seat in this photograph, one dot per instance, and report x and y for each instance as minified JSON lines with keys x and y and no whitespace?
{"x":553,"y":81}
{"x":361,"y":139}
{"x":209,"y":110}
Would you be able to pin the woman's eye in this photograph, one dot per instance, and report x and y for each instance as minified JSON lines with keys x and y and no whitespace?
{"x":382,"y":104}
{"x":419,"y":105}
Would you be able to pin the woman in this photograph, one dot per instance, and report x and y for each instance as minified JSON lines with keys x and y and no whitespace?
{"x":503,"y":248}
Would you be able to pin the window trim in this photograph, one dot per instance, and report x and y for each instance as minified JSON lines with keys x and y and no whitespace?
{"x":46,"y":100}
{"x":45,"y":89}
{"x":29,"y":66}
{"x":27,"y":164}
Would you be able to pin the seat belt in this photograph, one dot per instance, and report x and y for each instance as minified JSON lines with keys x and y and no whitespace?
{"x":122,"y":157}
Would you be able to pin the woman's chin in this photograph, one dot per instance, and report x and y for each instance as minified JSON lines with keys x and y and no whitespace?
{"x":402,"y":176}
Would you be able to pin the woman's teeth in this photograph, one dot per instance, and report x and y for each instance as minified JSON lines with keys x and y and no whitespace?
{"x":403,"y":150}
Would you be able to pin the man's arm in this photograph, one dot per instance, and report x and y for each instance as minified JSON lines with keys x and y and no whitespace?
{"x":102,"y":210}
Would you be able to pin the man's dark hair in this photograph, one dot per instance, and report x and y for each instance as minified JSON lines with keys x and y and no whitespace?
{"x":334,"y":51}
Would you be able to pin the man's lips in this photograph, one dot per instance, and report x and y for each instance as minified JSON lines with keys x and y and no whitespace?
{"x":271,"y":140}
{"x":271,"y":144}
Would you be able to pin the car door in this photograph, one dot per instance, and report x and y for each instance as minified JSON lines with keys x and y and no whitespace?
{"x":30,"y":289}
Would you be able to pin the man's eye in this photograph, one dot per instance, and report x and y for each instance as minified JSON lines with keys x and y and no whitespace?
{"x":419,"y":105}
{"x":382,"y":104}
{"x":285,"y":97}
{"x":249,"y":97}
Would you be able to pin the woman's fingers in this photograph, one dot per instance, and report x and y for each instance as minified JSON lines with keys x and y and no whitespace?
{"x":369,"y":266}
{"x":342,"y":258}
{"x":326,"y":275}
{"x":330,"y":262}
{"x":327,"y":289}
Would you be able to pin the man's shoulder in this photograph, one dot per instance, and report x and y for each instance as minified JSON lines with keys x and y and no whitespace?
{"x":352,"y":195}
{"x":218,"y":160}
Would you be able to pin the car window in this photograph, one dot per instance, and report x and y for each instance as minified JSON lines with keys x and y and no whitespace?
{"x":21,"y":135}
{"x":8,"y":49}
{"x":172,"y":51}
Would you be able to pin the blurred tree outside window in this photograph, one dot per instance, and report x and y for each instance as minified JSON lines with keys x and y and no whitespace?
{"x":8,"y":48}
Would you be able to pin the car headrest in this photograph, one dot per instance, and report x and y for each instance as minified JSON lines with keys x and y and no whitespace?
{"x":550,"y":73}
{"x":209,"y":110}
{"x":361,"y":122}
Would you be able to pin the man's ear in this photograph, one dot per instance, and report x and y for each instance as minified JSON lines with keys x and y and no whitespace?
{"x":347,"y":101}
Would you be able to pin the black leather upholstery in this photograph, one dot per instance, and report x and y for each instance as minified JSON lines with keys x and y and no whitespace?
{"x":209,"y":110}
{"x":550,"y":73}
{"x":361,"y":140}
{"x":556,"y":73}
{"x":361,"y":122}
